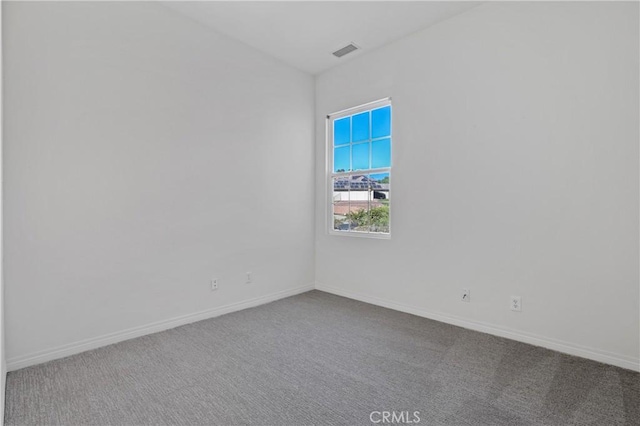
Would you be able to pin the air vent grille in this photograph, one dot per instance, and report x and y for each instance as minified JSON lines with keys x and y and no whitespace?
{"x":345,"y":50}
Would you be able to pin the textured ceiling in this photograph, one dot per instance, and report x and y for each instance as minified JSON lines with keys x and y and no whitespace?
{"x":304,"y":34}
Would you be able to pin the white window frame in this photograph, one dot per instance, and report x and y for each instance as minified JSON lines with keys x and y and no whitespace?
{"x":331,"y":175}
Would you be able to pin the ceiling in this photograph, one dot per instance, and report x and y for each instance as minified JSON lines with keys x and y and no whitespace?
{"x":304,"y":34}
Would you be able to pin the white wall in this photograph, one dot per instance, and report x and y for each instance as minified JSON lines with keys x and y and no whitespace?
{"x":143,"y":156}
{"x":3,"y":360}
{"x":520,"y":123}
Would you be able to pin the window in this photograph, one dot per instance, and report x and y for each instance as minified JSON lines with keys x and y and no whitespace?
{"x":359,"y":142}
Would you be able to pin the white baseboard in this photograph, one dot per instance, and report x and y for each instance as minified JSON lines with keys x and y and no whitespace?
{"x":556,"y":345}
{"x":3,"y":388}
{"x":17,"y":363}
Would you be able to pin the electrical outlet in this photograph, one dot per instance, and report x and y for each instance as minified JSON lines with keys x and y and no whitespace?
{"x":466,"y":295}
{"x":249,"y":278}
{"x":214,"y":284}
{"x":516,"y":303}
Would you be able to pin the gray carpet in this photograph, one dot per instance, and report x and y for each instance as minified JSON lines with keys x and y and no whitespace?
{"x":321,"y":359}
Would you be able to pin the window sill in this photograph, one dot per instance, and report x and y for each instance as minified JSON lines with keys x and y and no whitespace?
{"x":370,"y":235}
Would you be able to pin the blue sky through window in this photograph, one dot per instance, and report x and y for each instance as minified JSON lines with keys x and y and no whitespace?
{"x":342,"y":158}
{"x":360,"y":156}
{"x":381,"y":153}
{"x":342,"y":131}
{"x":362,"y":141}
{"x":381,"y":122}
{"x":360,"y":127}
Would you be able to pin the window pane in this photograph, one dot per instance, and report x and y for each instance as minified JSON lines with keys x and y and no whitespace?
{"x":379,"y":203}
{"x":381,"y":153}
{"x":358,"y":215}
{"x":360,"y":131}
{"x":341,"y":203}
{"x":360,"y":156}
{"x":361,"y":143}
{"x":341,"y":131}
{"x":341,"y":159}
{"x":381,"y":122}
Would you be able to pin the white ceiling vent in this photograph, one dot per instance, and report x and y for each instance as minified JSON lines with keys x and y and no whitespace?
{"x":345,"y":50}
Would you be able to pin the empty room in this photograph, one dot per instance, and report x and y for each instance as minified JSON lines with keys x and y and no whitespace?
{"x":320,"y":213}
